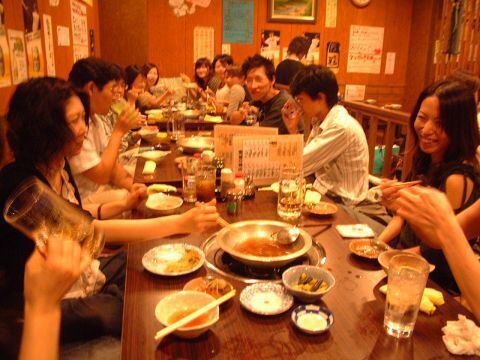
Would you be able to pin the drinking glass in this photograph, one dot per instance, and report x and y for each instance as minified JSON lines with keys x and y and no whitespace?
{"x":119,"y":105}
{"x":189,"y":180}
{"x":292,"y":109}
{"x":407,"y":277}
{"x":251,"y":119}
{"x":290,"y":194}
{"x":205,"y":179}
{"x":175,"y":127}
{"x":39,"y":213}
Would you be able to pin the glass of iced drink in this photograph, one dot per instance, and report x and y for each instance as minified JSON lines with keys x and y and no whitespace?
{"x":206,"y":176}
{"x":290,"y":194}
{"x":407,"y":277}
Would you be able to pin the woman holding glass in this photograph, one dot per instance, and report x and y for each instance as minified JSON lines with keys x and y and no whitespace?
{"x":446,"y":137}
{"x":47,"y":121}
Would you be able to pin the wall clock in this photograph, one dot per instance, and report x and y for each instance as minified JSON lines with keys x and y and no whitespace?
{"x":361,"y":3}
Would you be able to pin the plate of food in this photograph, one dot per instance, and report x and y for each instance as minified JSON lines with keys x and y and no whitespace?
{"x":213,"y":286}
{"x":163,"y":204}
{"x":322,"y":208}
{"x":368,"y":248}
{"x":154,"y":155}
{"x":266,"y":298}
{"x":191,"y":114}
{"x":173,"y":259}
{"x":160,"y":188}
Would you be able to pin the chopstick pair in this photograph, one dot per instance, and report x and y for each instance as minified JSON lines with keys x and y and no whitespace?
{"x":401,"y":184}
{"x":184,"y":321}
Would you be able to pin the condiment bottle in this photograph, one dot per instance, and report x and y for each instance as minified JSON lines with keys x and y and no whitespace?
{"x":235,"y":195}
{"x":249,"y":187}
{"x":226,"y":182}
{"x":239,"y":182}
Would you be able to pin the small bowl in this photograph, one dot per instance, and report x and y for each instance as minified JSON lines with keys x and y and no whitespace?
{"x":385,"y":257}
{"x":182,"y":301}
{"x":148,"y":133}
{"x":202,"y":284}
{"x":367,"y":248}
{"x":322,"y":208}
{"x":304,"y":314}
{"x":162,"y":204}
{"x":290,"y":278}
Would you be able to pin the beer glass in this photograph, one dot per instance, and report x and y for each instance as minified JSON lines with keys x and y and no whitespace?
{"x":39,"y":213}
{"x":175,"y":127}
{"x":407,"y":277}
{"x":206,"y":177}
{"x":290,"y":194}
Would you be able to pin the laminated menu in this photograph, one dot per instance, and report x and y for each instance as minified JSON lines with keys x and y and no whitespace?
{"x":223,"y":139}
{"x":263,"y":157}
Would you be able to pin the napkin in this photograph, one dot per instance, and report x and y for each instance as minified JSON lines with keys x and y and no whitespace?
{"x":462,"y":337}
{"x":149,"y":167}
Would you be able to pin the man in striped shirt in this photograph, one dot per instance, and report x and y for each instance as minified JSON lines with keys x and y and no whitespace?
{"x":336,"y":150}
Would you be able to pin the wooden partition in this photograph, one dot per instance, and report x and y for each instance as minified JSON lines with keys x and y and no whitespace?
{"x":386,"y":128}
{"x":60,"y":16}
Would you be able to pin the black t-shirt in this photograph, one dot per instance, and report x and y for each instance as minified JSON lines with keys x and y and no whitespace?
{"x":16,"y":248}
{"x":286,"y":71}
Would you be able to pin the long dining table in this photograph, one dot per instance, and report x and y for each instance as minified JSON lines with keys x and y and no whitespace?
{"x":355,"y":300}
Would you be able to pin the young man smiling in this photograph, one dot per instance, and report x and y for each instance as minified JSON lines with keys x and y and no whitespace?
{"x":336,"y":150}
{"x":267,"y":101}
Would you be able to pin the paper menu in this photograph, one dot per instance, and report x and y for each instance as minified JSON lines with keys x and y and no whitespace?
{"x":263,"y":157}
{"x":223,"y":138}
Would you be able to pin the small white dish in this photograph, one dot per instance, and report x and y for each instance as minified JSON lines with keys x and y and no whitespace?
{"x":160,"y":188}
{"x":162,"y":202}
{"x":186,"y":301}
{"x":154,"y":155}
{"x":291,"y":276}
{"x":266,"y":298}
{"x":355,"y":231}
{"x":312,"y":319}
{"x":173,"y":259}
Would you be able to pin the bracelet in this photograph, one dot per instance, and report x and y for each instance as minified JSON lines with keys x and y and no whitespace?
{"x":99,"y":212}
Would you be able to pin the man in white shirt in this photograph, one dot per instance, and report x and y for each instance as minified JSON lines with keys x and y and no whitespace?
{"x":336,"y":150}
{"x":97,"y":163}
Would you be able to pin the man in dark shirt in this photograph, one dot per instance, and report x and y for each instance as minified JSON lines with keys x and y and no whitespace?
{"x":288,"y":68}
{"x":267,"y":101}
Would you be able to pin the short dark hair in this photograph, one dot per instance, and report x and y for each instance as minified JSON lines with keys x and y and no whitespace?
{"x":91,"y":69}
{"x":458,"y":115}
{"x":131,"y":73}
{"x":299,"y":46}
{"x":149,"y":66}
{"x":314,"y":79}
{"x":224,"y":59}
{"x":117,"y":72}
{"x":37,"y":128}
{"x":203,"y":61}
{"x":256,"y":61}
{"x":467,"y":77}
{"x":234,"y":70}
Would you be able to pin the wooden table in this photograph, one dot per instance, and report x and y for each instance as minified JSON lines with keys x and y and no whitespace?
{"x":357,"y":305}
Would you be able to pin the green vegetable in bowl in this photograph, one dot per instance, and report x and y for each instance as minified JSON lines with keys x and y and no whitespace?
{"x":308,"y":283}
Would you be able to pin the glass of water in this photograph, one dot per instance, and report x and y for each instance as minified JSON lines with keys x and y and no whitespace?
{"x":290,"y":194}
{"x":407,"y":277}
{"x":39,"y":213}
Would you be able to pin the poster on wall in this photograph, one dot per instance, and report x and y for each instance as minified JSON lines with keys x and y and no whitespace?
{"x":18,"y":58}
{"x":238,"y":21}
{"x":365,"y":49}
{"x":354,"y":92}
{"x":313,"y":54}
{"x":63,"y":35}
{"x":79,"y":30}
{"x":331,"y":14}
{"x":333,"y":56}
{"x":49,"y":52}
{"x":390,"y":63}
{"x":31,"y":15}
{"x":203,"y":42}
{"x":270,"y":45}
{"x":33,"y":42}
{"x":5,"y":79}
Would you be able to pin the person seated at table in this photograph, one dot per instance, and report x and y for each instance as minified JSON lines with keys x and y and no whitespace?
{"x":218,"y":85}
{"x":288,"y":68}
{"x":152,"y":76}
{"x":47,"y":122}
{"x":137,"y":84}
{"x":446,"y":136}
{"x":203,"y":78}
{"x":97,"y":164}
{"x":236,"y":93}
{"x":430,"y":214}
{"x":336,"y":150}
{"x":48,"y":277}
{"x":267,"y":102}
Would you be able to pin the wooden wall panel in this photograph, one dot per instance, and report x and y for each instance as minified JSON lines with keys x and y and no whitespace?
{"x":170,"y":42}
{"x":123,"y":31}
{"x":60,"y":16}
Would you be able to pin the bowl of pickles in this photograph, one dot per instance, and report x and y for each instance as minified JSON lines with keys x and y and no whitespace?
{"x":308,"y":283}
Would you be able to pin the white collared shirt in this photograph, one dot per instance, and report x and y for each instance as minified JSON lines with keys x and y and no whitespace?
{"x":337,"y":152}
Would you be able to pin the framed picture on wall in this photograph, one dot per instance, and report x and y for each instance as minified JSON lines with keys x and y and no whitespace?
{"x":292,"y":11}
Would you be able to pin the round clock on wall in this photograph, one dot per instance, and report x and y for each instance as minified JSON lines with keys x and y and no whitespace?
{"x":361,"y":3}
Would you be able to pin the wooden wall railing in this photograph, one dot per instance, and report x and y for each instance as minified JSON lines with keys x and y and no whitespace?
{"x":384,"y":127}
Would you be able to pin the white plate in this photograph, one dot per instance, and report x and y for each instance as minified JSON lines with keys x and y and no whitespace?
{"x":266,"y":298}
{"x":355,"y":231}
{"x":154,"y":155}
{"x":160,"y":188}
{"x":158,"y":259}
{"x":162,"y":202}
